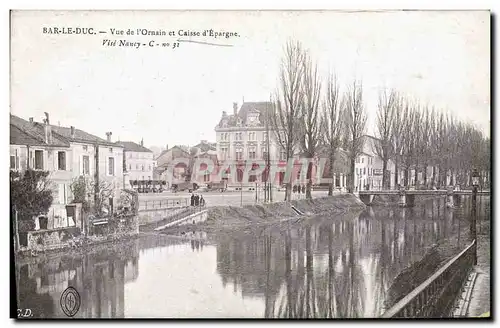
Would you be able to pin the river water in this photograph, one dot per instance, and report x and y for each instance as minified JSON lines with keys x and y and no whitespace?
{"x":334,"y":267}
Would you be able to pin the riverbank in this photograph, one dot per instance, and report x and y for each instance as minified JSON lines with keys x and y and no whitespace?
{"x":78,"y":245}
{"x":231,"y":218}
{"x":433,"y":258}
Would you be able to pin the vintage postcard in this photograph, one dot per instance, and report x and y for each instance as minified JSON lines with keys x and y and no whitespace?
{"x":250,"y":164}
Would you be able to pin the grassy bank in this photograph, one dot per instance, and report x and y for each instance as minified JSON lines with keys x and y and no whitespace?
{"x":433,"y":258}
{"x":230,"y":218}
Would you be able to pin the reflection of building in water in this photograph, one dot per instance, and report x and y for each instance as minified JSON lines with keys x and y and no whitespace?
{"x":99,"y":278}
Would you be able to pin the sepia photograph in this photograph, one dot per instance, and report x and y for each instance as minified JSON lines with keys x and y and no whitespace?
{"x":251,"y":164}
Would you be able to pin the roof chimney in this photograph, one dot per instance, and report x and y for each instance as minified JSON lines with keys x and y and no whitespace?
{"x":48,"y":129}
{"x":31,"y":119}
{"x":167,"y":147}
{"x":142,"y":142}
{"x":108,"y":136}
{"x":235,"y":108}
{"x":72,"y":132}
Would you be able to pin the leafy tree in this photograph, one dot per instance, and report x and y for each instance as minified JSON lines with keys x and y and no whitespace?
{"x":84,"y":190}
{"x":30,"y":193}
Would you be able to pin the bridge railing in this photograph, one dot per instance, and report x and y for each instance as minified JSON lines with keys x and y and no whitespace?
{"x":435,"y":296}
{"x":145,"y":205}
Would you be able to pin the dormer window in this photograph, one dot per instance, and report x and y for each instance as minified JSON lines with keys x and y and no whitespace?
{"x":238,"y":122}
{"x":253,"y":117}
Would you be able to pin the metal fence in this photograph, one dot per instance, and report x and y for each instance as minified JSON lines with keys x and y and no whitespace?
{"x":435,"y":297}
{"x":163,"y":203}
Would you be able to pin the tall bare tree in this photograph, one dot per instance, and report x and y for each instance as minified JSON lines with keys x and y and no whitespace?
{"x":332,"y":121}
{"x":424,"y":145}
{"x":408,"y":136}
{"x":397,"y":137}
{"x":286,"y":112}
{"x":355,"y":117}
{"x":310,"y":122}
{"x":387,"y":105}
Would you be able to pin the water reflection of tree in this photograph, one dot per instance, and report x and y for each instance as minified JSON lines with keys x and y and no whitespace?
{"x":335,"y":268}
{"x":324,"y":292}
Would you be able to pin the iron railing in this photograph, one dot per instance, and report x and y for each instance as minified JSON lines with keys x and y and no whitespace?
{"x":435,"y":297}
{"x":163,"y":203}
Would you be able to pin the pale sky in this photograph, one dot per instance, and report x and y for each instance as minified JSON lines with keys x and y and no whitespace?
{"x":176,"y":96}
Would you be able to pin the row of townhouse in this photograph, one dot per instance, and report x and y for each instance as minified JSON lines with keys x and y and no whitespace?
{"x":67,"y":153}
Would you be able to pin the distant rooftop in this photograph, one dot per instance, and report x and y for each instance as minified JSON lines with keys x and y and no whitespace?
{"x":61,"y":136}
{"x":261,"y":108}
{"x":133,"y":147}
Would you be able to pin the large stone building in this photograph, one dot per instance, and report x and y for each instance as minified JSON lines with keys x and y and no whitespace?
{"x":242,"y":135}
{"x":67,"y":153}
{"x":139,"y":162}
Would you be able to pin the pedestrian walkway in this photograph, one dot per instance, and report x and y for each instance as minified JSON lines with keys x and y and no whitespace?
{"x":480,"y":303}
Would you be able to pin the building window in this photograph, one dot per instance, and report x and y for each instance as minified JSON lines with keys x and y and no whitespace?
{"x":86,"y":165}
{"x":264,"y":136}
{"x":38,"y":159}
{"x":362,"y":159}
{"x":110,"y":150}
{"x":283,"y":155}
{"x":61,"y":161}
{"x":13,"y":162}
{"x":264,"y":155}
{"x":364,"y":170}
{"x":130,"y":167}
{"x":239,"y":154}
{"x":111,"y":168}
{"x":251,"y":154}
{"x":142,"y":167}
{"x":85,"y":148}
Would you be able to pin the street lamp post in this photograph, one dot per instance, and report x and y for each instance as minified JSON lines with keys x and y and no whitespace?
{"x":475,"y":185}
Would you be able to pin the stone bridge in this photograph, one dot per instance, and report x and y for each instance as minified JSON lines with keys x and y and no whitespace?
{"x":407,"y":197}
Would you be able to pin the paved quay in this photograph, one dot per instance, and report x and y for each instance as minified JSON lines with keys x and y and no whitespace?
{"x":480,"y":303}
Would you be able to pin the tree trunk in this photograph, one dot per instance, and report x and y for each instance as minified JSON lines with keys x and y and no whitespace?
{"x":351,"y":177}
{"x":288,"y":191}
{"x":396,"y":173}
{"x":308,"y":189}
{"x":330,"y":175}
{"x":433,"y":182}
{"x":424,"y":173}
{"x":384,"y":175}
